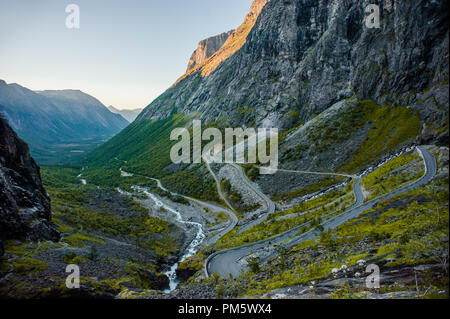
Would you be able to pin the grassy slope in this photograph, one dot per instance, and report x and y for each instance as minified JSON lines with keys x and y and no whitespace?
{"x":94,"y":221}
{"x":74,"y":215}
{"x":391,"y":127}
{"x":401,"y":233}
{"x":386,"y":129}
{"x":144,"y":148}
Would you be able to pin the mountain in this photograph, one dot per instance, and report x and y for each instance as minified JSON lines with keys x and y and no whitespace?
{"x":304,"y":57}
{"x":317,"y":72}
{"x":24,"y":203}
{"x":129,"y":115}
{"x":362,"y":182}
{"x":206,"y":48}
{"x":58,"y":124}
{"x":354,"y":107}
{"x":85,"y":112}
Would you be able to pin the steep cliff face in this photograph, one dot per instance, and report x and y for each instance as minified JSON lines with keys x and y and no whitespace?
{"x":206,"y":48}
{"x":302,"y":56}
{"x":24,"y":203}
{"x":233,"y":44}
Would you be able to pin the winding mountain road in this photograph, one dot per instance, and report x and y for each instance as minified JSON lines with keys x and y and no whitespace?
{"x":228,"y":262}
{"x":333,"y":223}
{"x":270,"y":205}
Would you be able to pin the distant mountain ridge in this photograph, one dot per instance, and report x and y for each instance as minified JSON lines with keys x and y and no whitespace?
{"x":68,"y":120}
{"x":129,"y":115}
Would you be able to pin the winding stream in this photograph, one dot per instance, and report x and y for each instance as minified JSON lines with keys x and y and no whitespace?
{"x":192,"y":248}
{"x":200,"y":237}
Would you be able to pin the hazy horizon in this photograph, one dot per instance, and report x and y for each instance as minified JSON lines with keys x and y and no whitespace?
{"x":124,"y":54}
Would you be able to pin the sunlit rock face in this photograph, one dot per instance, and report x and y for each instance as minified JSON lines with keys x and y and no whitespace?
{"x":206,"y":48}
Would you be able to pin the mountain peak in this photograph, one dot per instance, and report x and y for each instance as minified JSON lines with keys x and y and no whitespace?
{"x":206,"y":48}
{"x":233,"y":43}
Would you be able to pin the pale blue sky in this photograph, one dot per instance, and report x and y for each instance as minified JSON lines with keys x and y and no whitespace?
{"x":125,"y":54}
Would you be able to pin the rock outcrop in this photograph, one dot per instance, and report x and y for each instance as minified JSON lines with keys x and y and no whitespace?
{"x":24,"y":203}
{"x":301,"y":57}
{"x":206,"y":48}
{"x":233,"y":44}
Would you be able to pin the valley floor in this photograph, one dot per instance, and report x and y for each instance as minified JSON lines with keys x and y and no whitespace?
{"x":127,"y":239}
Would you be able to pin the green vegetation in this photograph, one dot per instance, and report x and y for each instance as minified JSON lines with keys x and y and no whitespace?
{"x":144,"y":276}
{"x":81,"y":217}
{"x":243,"y":110}
{"x":332,"y":199}
{"x":340,"y":129}
{"x":192,"y":183}
{"x":398,"y":171}
{"x":390,"y":127}
{"x":73,"y":258}
{"x":251,"y":171}
{"x":235,"y":198}
{"x":143,"y":148}
{"x":96,"y":221}
{"x":82,"y":240}
{"x":310,"y":215}
{"x":386,"y":128}
{"x":409,"y":229}
{"x":194,"y":263}
{"x":28,"y":265}
{"x":91,"y":220}
{"x":254,"y":265}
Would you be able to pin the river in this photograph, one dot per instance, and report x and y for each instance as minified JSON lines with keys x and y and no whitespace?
{"x":192,"y":248}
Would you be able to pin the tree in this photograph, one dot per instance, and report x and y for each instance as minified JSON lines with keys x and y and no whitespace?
{"x":283,"y":253}
{"x":253,"y":264}
{"x":226,"y":185}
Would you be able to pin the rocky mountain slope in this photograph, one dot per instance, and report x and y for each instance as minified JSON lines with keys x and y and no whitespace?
{"x":56,"y":122}
{"x":344,"y":96}
{"x":24,"y":203}
{"x":206,"y":48}
{"x":129,"y":115}
{"x":234,"y":43}
{"x":301,"y":57}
